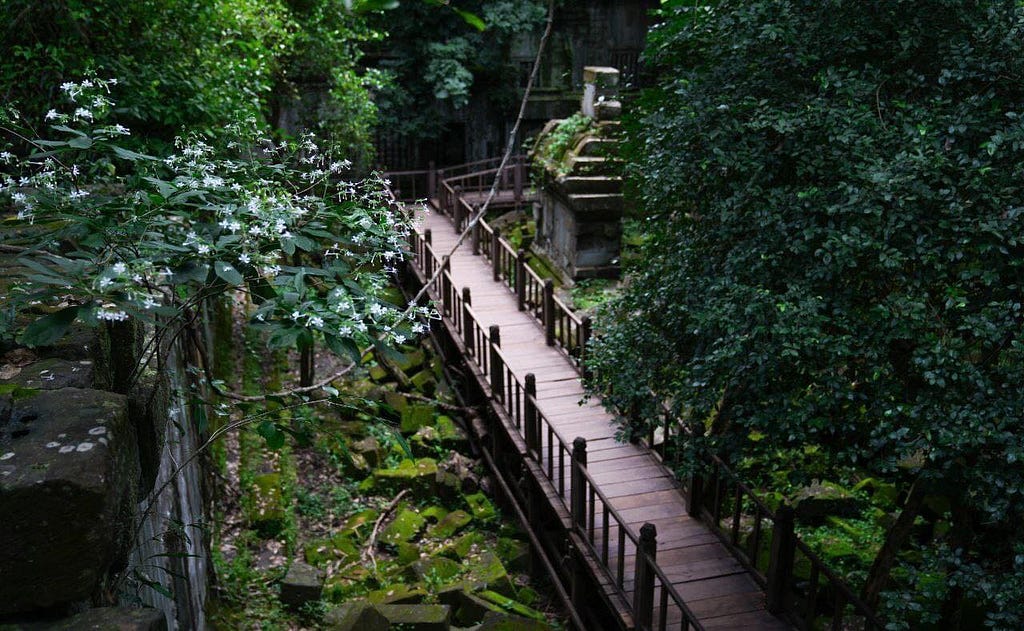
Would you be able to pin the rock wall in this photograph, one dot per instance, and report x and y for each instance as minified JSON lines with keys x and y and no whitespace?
{"x":84,"y":449}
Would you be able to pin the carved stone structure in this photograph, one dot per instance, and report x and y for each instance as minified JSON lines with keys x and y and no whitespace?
{"x":579,"y":215}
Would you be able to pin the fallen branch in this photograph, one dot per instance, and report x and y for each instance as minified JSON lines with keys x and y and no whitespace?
{"x":368,"y":552}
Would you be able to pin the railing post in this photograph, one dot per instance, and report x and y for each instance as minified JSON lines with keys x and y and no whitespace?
{"x":496,"y":254}
{"x":428,"y":257}
{"x":521,"y":279}
{"x":476,"y":232}
{"x":431,"y":181}
{"x":643,"y":588}
{"x":532,"y":428}
{"x":780,"y":565}
{"x":517,"y":175}
{"x":467,"y":321}
{"x":457,"y":210}
{"x":497,"y":370}
{"x":578,"y":495}
{"x":446,"y":286}
{"x":696,"y":492}
{"x":549,"y":312}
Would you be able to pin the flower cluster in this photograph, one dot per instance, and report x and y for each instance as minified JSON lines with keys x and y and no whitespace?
{"x":155,"y":234}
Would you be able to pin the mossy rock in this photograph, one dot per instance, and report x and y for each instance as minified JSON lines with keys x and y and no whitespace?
{"x":361,"y":521}
{"x":495,"y":621}
{"x":417,"y":617}
{"x":510,"y":605}
{"x":513,"y":553}
{"x":397,"y":594}
{"x":268,"y":512}
{"x":425,"y":442}
{"x":410,"y":361}
{"x":451,"y":524}
{"x":418,"y":475}
{"x":468,"y":609}
{"x":344,"y":547}
{"x":434,"y":514}
{"x":406,"y":526}
{"x":369,"y":449}
{"x":527,"y":595}
{"x":397,"y":401}
{"x":437,"y":570}
{"x":463,"y":546}
{"x":378,"y":373}
{"x":408,"y":553}
{"x":345,"y":583}
{"x":318,"y":552}
{"x":415,"y":416}
{"x":356,"y":616}
{"x":451,"y":435}
{"x":424,"y":382}
{"x":480,"y":507}
{"x":487,"y":569}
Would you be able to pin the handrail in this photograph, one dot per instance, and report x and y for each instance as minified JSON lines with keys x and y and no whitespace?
{"x":716,"y":495}
{"x":520,"y":402}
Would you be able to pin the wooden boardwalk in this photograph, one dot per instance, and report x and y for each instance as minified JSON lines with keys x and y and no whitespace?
{"x":716,"y":588}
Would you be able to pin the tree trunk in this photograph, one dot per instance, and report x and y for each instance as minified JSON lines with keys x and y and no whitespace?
{"x":878,"y":577}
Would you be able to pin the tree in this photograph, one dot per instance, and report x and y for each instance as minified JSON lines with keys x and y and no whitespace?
{"x":834,"y":220}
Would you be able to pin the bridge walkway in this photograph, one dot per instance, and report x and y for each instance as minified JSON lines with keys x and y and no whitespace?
{"x":716,"y":588}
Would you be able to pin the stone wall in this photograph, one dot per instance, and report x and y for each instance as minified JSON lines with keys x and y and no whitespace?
{"x":83,"y":445}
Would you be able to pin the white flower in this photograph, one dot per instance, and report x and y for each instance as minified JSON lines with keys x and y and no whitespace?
{"x":83,"y":113}
{"x":244,"y":258}
{"x":78,"y":194}
{"x":112,"y":316}
{"x":120,"y":268}
{"x":52,"y":114}
{"x":316,"y":321}
{"x":202,"y":248}
{"x":399,"y":338}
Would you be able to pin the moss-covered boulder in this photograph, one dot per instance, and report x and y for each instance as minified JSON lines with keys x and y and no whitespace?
{"x":404,"y":528}
{"x":417,"y":617}
{"x":267,"y":514}
{"x":302,"y":584}
{"x":418,"y":475}
{"x":356,"y":616}
{"x":398,"y":594}
{"x":480,"y":507}
{"x":487,"y":569}
{"x":109,"y":619}
{"x":415,"y":416}
{"x":451,"y":524}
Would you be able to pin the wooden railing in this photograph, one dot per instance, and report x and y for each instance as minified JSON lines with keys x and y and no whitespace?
{"x":796,"y":580}
{"x":654,"y":602}
{"x":563,"y":328}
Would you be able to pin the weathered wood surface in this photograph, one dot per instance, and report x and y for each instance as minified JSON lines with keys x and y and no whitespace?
{"x":715,"y":586}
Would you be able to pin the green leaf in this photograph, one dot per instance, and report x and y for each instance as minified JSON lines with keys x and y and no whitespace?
{"x":49,"y":328}
{"x":272,"y":434}
{"x":80,"y":142}
{"x":343,"y":347}
{"x":471,"y":19}
{"x":228,"y":273}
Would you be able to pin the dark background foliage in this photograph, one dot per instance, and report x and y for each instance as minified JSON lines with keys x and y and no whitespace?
{"x":833,"y":206}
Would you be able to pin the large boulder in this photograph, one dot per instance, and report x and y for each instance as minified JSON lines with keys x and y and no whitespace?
{"x":356,"y":616}
{"x":69,"y":470}
{"x":110,"y":619}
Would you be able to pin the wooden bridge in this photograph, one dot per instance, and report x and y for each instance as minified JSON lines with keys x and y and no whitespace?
{"x":635,"y":538}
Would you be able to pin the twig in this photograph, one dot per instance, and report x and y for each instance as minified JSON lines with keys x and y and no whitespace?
{"x":372,"y":541}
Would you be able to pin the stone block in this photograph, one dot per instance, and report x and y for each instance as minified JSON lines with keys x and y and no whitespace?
{"x":110,"y":619}
{"x":53,"y":373}
{"x":69,"y":471}
{"x":302,"y":584}
{"x":418,"y":617}
{"x":416,"y":416}
{"x":356,"y":616}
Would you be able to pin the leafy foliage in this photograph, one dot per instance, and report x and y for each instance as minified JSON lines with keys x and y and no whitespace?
{"x":120,"y":234}
{"x":834,"y":257}
{"x":439,"y":60}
